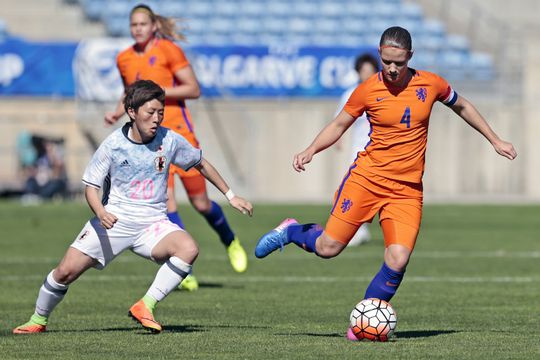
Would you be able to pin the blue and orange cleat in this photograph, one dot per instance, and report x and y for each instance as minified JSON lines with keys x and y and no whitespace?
{"x":274,"y":239}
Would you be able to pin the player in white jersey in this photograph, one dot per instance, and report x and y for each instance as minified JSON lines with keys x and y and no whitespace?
{"x":132,"y":166}
{"x":365,"y":65}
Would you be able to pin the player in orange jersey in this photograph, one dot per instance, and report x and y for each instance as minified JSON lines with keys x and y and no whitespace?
{"x":155,"y":56}
{"x":386,"y":178}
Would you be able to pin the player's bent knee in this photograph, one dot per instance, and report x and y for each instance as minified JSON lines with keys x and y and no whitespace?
{"x":397,"y":258}
{"x":201,"y":203}
{"x":188,"y":250}
{"x":327,"y":247}
{"x":63,"y":275}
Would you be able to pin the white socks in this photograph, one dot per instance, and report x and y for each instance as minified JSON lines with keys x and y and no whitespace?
{"x":50,"y":294}
{"x":168,"y":277}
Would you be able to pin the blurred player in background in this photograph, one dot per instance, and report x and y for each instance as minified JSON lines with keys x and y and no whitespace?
{"x":386,"y":178}
{"x":132,"y":166}
{"x":365,"y":66}
{"x":155,"y":56}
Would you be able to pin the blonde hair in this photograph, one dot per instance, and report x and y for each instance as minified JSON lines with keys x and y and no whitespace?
{"x":166,"y":27}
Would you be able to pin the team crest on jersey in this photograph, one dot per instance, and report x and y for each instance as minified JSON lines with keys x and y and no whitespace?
{"x":152,"y":60}
{"x":346,"y":205}
{"x":159,"y":163}
{"x":421,"y":94}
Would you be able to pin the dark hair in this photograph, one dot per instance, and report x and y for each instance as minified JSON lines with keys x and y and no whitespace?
{"x":398,"y":37}
{"x":366,"y":58}
{"x":142,"y":91}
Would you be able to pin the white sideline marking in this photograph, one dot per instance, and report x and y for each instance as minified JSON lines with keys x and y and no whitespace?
{"x":352,"y":254}
{"x":289,"y":279}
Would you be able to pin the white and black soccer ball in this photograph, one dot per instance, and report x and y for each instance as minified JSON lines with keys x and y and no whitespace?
{"x":373,"y":319}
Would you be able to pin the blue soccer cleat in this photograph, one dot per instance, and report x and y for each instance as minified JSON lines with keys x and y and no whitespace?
{"x":274,"y":239}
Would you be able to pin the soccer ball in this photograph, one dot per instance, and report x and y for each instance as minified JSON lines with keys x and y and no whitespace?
{"x":373,"y":319}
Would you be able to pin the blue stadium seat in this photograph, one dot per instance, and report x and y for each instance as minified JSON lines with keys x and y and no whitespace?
{"x":481,"y":66}
{"x":297,"y":25}
{"x":252,"y":8}
{"x":428,"y":43}
{"x":304,"y":9}
{"x":173,"y":9}
{"x":360,"y":10}
{"x":412,"y":11}
{"x":279,"y":8}
{"x":218,"y":40}
{"x":198,"y":8}
{"x":196,"y":26}
{"x":322,"y":40}
{"x":118,"y":26}
{"x":432,"y":27}
{"x":245,"y":40}
{"x":271,"y":25}
{"x":93,"y":9}
{"x":221,"y":25}
{"x":248,"y":26}
{"x":330,"y":9}
{"x":327,"y":26}
{"x":226,"y":8}
{"x":457,"y":43}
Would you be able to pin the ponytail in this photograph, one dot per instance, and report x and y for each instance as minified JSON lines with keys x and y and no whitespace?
{"x":167,"y":28}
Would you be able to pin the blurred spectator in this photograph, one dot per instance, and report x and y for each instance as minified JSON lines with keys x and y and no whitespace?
{"x":42,"y":162}
{"x":365,"y":66}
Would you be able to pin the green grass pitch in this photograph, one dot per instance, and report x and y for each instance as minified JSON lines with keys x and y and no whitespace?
{"x":471,"y":291}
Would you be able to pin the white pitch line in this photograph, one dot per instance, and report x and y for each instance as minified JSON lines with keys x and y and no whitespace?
{"x":355,"y":254}
{"x":290,"y":279}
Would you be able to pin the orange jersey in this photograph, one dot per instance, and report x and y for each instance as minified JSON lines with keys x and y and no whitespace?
{"x":399,"y":123}
{"x":159,"y":64}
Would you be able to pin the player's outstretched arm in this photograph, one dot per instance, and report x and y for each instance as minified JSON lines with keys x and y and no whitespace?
{"x":328,"y":136}
{"x":106,"y":219}
{"x":111,"y":117}
{"x":209,"y":172}
{"x":470,"y":114}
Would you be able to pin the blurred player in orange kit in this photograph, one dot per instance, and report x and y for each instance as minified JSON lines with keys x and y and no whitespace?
{"x":365,"y":66}
{"x":155,"y":56}
{"x":385,"y":178}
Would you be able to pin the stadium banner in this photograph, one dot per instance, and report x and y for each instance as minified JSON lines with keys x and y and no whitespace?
{"x":88,"y":71}
{"x":232,"y":71}
{"x":36,"y":68}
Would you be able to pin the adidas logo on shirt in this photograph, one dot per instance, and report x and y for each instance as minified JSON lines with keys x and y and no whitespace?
{"x":124,"y":163}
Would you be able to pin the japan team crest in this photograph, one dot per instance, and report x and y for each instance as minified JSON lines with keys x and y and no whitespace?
{"x":159,"y":163}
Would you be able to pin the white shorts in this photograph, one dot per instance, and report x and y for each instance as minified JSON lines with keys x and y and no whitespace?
{"x":104,"y":245}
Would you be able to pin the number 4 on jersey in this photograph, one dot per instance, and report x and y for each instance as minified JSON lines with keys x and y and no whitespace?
{"x":406,"y":118}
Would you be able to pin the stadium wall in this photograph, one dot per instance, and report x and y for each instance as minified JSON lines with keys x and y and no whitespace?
{"x":253,"y":141}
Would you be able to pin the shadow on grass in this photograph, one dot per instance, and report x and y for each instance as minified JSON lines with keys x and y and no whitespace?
{"x":422,"y":333}
{"x":213,"y":285}
{"x":135,"y":328}
{"x":329,"y":335}
{"x":400,"y":335}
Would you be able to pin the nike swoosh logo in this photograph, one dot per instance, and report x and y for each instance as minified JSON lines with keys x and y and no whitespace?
{"x":380,"y":98}
{"x":388,"y":283}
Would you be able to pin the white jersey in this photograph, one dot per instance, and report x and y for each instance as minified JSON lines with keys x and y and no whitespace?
{"x":134,"y":175}
{"x":361,"y":128}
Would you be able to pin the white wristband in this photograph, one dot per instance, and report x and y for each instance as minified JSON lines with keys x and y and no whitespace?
{"x":229,"y":195}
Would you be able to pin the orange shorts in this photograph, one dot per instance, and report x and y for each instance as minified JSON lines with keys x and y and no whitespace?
{"x":193,"y":181}
{"x":361,"y":197}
